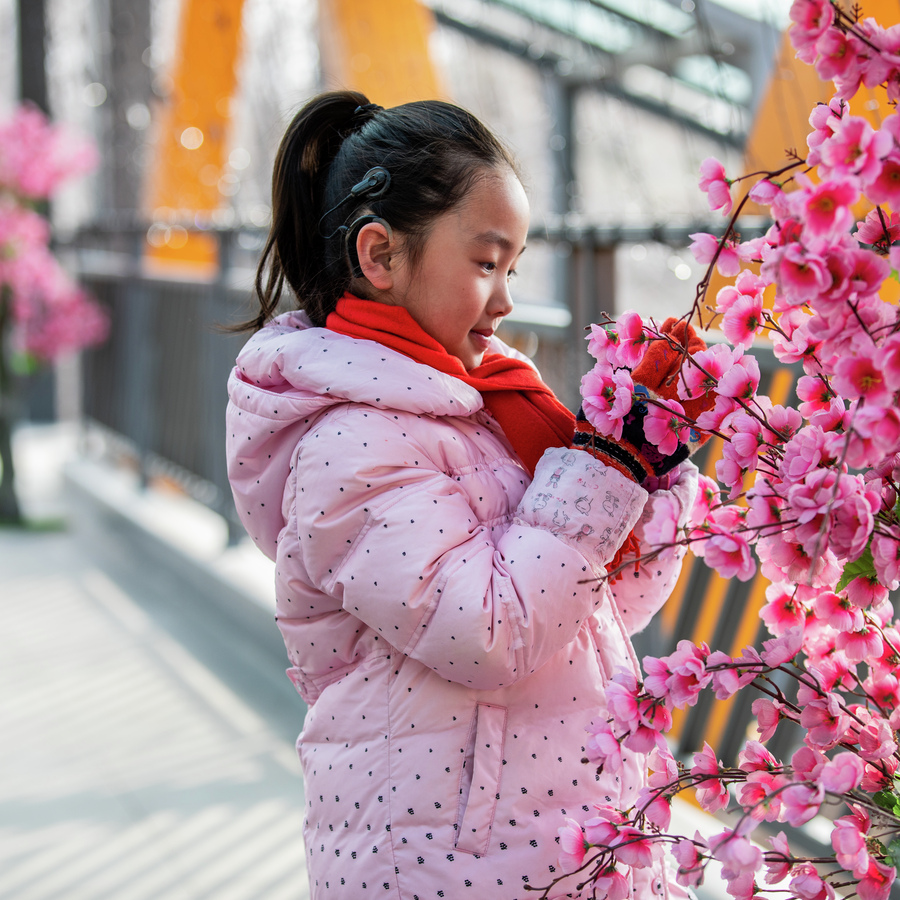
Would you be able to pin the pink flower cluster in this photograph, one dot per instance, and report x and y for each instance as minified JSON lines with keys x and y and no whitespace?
{"x":36,"y":157}
{"x":51,"y":315}
{"x":809,"y":496}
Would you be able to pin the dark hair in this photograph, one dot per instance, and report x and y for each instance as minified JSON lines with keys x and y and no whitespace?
{"x":434,"y":152}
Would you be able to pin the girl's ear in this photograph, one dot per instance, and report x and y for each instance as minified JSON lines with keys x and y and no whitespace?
{"x":375,"y":249}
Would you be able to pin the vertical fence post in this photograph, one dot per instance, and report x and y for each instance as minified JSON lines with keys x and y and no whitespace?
{"x":215,"y":371}
{"x":139,"y":396}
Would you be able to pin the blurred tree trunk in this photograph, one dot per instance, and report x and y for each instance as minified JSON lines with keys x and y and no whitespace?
{"x":129,"y":90}
{"x":32,"y":53}
{"x":10,"y":512}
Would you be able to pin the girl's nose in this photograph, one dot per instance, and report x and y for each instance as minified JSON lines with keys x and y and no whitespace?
{"x":502,"y":302}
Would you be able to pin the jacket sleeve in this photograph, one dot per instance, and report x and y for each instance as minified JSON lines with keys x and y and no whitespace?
{"x":640,"y":594}
{"x":384,"y":530}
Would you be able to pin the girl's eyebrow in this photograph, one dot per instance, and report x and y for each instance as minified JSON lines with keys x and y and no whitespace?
{"x":495,"y":237}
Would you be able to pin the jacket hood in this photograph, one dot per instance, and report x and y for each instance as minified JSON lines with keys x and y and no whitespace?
{"x":286,"y":376}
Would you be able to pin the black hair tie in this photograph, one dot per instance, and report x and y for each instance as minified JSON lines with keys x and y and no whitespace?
{"x":368,"y":110}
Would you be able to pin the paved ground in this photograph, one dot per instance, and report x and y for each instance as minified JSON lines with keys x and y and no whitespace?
{"x":147,"y":729}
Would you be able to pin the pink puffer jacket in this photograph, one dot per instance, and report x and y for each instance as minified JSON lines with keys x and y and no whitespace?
{"x":440,"y":613}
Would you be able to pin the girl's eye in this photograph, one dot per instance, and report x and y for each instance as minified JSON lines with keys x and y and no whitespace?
{"x":511,"y":274}
{"x":489,"y":266}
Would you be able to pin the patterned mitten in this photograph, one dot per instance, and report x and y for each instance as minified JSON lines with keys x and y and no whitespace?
{"x":654,"y":377}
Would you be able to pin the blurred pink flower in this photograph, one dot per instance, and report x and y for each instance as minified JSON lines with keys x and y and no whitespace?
{"x":716,"y":186}
{"x":778,"y":861}
{"x":842,"y":773}
{"x":37,"y":156}
{"x":876,"y":883}
{"x":572,"y":846}
{"x":690,"y":862}
{"x":810,"y":20}
{"x":800,"y":803}
{"x":712,"y":794}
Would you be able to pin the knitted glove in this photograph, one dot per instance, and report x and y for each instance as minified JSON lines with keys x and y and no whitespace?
{"x":633,"y":455}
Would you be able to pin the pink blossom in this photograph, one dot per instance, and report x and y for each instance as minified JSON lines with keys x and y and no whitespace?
{"x":688,"y":675}
{"x":36,"y":156}
{"x":707,"y":498}
{"x":664,"y":425}
{"x":879,"y":227}
{"x":876,"y":883}
{"x":612,"y":885}
{"x":690,"y":862}
{"x":824,"y":119}
{"x":632,"y":847}
{"x":807,"y":884}
{"x":712,"y":794}
{"x":703,"y":371}
{"x":811,"y":18}
{"x":888,"y":361}
{"x":743,"y":319}
{"x":716,"y":186}
{"x":655,"y":806}
{"x":807,"y":763}
{"x":782,"y":610}
{"x":886,"y":556}
{"x":855,"y":149}
{"x":842,"y":773}
{"x":876,"y":740}
{"x":705,"y":246}
{"x":603,"y":342}
{"x":800,"y":803}
{"x":837,"y":54}
{"x":633,"y":338}
{"x":859,"y":377}
{"x":719,"y":416}
{"x":781,"y":649}
{"x":759,"y":796}
{"x":849,"y":843}
{"x":825,"y":720}
{"x":768,"y":715}
{"x":778,"y":862}
{"x":838,"y":611}
{"x":803,"y":453}
{"x":885,"y":188}
{"x":801,"y":275}
{"x":860,"y":645}
{"x":607,"y":398}
{"x":660,"y":523}
{"x":728,"y":550}
{"x":742,"y":379}
{"x":827,"y":206}
{"x":764,"y":192}
{"x":621,"y":700}
{"x":879,"y":777}
{"x":740,"y":861}
{"x":756,"y":758}
{"x":603,"y":747}
{"x":572,"y":846}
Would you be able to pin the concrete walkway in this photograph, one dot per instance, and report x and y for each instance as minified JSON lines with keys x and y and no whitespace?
{"x":146,"y":726}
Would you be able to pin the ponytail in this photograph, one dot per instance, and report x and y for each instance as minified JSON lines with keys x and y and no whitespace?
{"x":433,"y":152}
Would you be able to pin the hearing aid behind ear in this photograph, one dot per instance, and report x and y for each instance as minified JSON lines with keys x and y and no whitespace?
{"x":374,"y":186}
{"x":353,"y":230}
{"x":375,"y":183}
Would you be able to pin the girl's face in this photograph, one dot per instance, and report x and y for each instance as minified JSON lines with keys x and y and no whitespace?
{"x":459,"y":290}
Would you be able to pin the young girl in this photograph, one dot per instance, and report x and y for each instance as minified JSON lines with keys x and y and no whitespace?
{"x":437,"y":539}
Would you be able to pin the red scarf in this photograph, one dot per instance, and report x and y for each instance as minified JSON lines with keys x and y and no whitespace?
{"x":526,"y":409}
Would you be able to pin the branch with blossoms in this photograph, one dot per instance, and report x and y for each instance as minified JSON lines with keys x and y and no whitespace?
{"x":43,"y":313}
{"x":807,"y":495}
